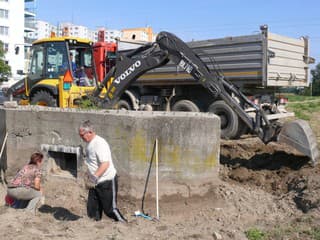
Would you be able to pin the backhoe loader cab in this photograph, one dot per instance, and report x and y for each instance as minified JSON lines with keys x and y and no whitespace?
{"x":51,"y":59}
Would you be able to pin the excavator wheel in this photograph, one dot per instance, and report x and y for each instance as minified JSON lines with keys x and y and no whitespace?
{"x":43,"y":98}
{"x":185,"y":106}
{"x":228,"y":119}
{"x":242,"y":129}
{"x":123,"y":105}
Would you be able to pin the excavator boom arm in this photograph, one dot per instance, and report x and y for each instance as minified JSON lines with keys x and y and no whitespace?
{"x":167,"y":47}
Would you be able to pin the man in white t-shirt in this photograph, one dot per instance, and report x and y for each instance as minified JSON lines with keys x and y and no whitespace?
{"x":103,"y":175}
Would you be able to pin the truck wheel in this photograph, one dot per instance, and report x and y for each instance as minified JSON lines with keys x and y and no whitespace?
{"x":228,"y":118}
{"x":43,"y":98}
{"x":124,"y":105}
{"x":242,"y":129}
{"x":185,"y":106}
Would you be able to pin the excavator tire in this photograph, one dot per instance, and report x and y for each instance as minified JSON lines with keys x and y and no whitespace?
{"x":242,"y":129}
{"x":124,"y":105}
{"x":43,"y":98}
{"x":228,"y":118}
{"x":185,"y":106}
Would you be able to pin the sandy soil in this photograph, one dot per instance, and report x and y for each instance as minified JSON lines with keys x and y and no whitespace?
{"x":264,"y":186}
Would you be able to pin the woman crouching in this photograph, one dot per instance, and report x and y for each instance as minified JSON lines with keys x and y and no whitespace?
{"x":26,"y":183}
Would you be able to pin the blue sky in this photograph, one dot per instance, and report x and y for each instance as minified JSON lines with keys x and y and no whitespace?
{"x":190,"y":19}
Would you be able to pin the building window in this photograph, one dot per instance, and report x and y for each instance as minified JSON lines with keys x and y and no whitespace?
{"x":4,"y":30}
{"x":6,"y":47}
{"x":4,"y":13}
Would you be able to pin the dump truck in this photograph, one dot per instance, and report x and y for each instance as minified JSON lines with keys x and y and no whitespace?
{"x":128,"y":67}
{"x":257,"y":64}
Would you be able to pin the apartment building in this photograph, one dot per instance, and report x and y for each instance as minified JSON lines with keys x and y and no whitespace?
{"x":16,"y":21}
{"x":70,"y":29}
{"x":43,"y":30}
{"x":107,"y":35}
{"x":140,"y":34}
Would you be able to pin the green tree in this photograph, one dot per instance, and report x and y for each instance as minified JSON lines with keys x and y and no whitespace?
{"x":5,"y":70}
{"x":316,"y":80}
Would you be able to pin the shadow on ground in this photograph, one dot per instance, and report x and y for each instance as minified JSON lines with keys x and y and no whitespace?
{"x":59,"y":213}
{"x":267,"y":161}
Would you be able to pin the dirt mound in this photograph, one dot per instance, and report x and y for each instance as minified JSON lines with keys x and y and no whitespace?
{"x":276,"y":169}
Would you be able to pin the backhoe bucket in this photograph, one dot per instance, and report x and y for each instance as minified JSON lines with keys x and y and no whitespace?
{"x":299,"y":135}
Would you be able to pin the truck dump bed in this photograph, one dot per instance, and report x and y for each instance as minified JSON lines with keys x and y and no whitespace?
{"x":260,"y":60}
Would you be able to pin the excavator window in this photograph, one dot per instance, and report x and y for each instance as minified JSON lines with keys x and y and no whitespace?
{"x":84,"y":72}
{"x":36,"y":67}
{"x":49,"y":61}
{"x":57,"y":60}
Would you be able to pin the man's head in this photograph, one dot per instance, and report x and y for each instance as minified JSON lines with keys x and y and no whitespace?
{"x":86,"y":131}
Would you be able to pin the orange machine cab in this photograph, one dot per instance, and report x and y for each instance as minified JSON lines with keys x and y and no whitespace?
{"x":104,"y":57}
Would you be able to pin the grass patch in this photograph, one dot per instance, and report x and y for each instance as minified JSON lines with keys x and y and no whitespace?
{"x":305,"y":228}
{"x":313,"y":232}
{"x":299,"y":98}
{"x":280,"y":233}
{"x":295,"y":232}
{"x":303,"y":106}
{"x":255,"y":234}
{"x":316,"y":233}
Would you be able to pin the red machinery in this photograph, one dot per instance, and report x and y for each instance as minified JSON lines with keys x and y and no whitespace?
{"x":104,"y":55}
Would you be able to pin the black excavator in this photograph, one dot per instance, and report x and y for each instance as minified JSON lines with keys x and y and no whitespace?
{"x":168,"y":47}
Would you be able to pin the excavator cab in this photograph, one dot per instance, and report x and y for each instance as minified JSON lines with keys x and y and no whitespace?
{"x":51,"y":59}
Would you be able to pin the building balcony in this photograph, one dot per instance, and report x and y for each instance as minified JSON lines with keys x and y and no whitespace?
{"x":29,"y":12}
{"x":29,"y":26}
{"x":28,"y":41}
{"x":29,"y":8}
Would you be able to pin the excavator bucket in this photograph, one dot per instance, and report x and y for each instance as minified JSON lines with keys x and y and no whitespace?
{"x":299,"y":135}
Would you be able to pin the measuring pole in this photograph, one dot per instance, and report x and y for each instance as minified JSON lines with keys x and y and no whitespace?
{"x":157,"y":180}
{"x":3,"y":144}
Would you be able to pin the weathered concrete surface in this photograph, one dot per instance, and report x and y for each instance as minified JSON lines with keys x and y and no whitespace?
{"x":189,"y":143}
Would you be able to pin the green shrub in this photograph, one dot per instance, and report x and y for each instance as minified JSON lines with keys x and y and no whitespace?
{"x":87,"y":104}
{"x":255,"y":234}
{"x":316,"y":233}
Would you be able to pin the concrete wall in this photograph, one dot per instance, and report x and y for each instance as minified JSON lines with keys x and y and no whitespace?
{"x":189,"y":143}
